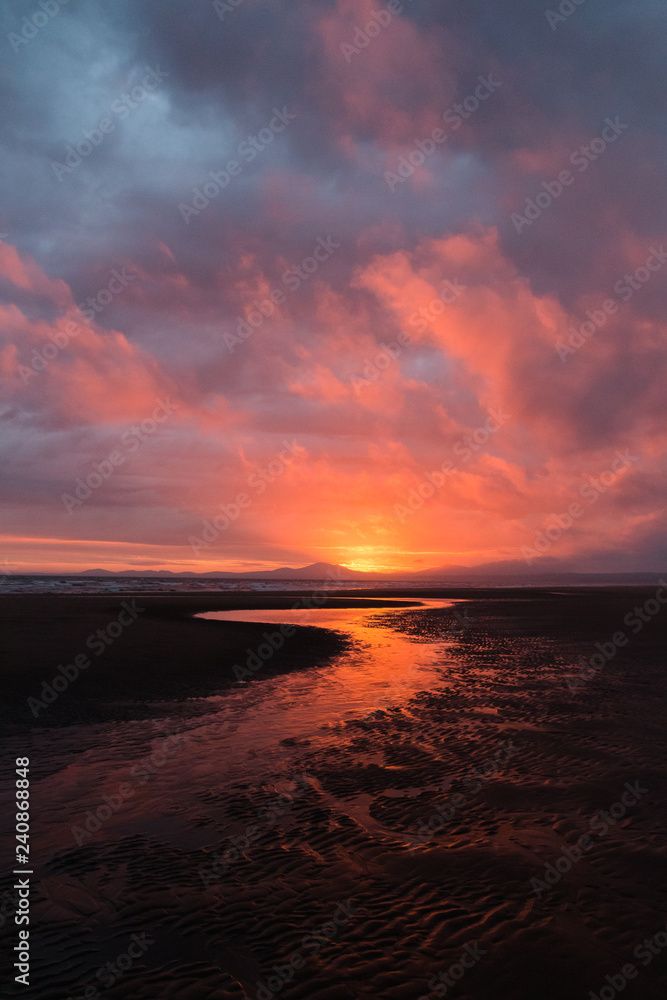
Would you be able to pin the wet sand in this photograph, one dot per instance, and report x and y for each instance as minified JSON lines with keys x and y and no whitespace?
{"x":331,"y":829}
{"x":163,"y":653}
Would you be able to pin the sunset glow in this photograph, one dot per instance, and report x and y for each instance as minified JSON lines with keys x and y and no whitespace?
{"x":353,"y":351}
{"x":333,"y":553}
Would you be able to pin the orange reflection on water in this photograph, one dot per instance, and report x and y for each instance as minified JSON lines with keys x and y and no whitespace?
{"x":257,"y":732}
{"x":382,"y":670}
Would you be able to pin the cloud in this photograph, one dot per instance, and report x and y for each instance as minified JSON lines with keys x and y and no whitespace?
{"x":172,"y":329}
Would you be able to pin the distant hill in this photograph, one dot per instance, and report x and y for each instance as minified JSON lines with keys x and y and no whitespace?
{"x":491,"y":574}
{"x":316,"y":571}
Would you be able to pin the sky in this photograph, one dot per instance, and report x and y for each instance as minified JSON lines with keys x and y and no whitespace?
{"x":287,"y":281}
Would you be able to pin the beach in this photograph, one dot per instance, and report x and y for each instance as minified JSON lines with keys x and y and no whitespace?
{"x":333,"y":595}
{"x":440,"y":792}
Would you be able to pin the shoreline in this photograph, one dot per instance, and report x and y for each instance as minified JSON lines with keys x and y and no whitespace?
{"x":122,"y":654}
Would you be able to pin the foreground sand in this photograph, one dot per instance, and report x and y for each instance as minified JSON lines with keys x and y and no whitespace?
{"x":230,"y":882}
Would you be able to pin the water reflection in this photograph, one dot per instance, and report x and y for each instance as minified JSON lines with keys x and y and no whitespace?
{"x":381,"y":671}
{"x":254,"y":737}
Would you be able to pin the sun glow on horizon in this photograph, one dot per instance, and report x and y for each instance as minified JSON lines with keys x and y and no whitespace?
{"x":374,"y":560}
{"x":367,"y":567}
